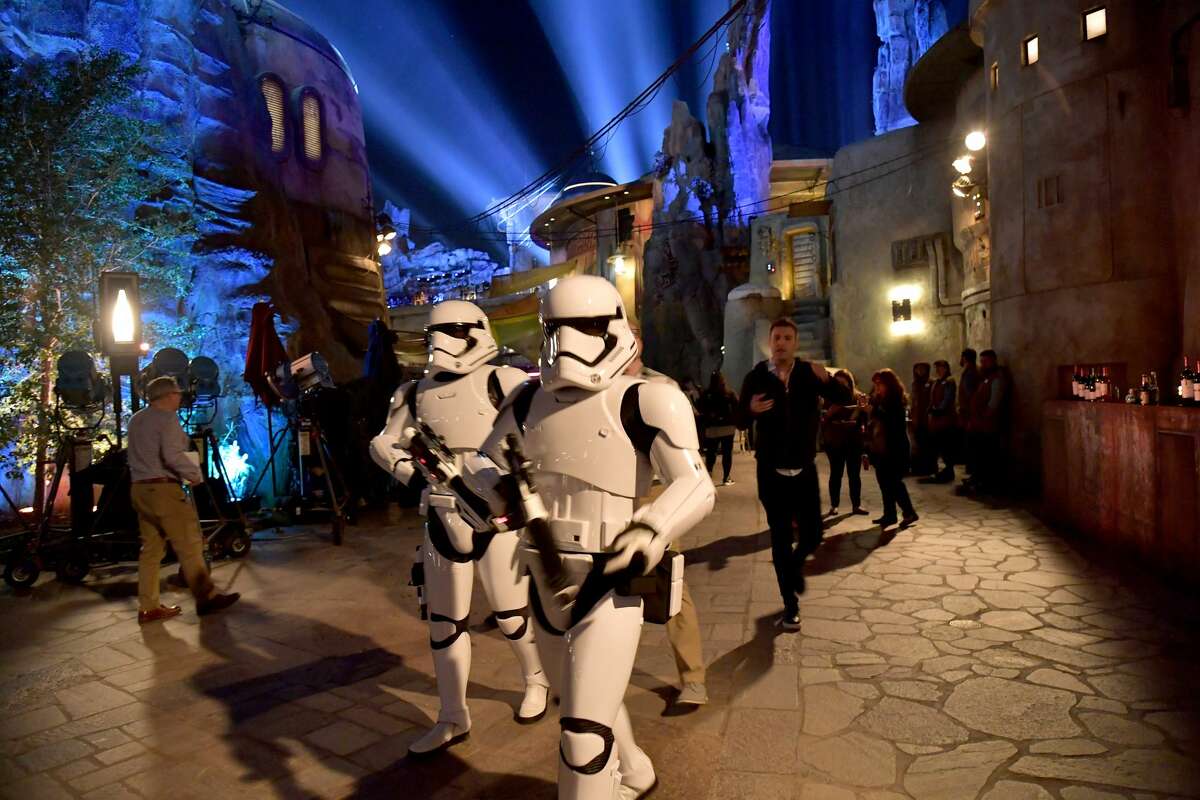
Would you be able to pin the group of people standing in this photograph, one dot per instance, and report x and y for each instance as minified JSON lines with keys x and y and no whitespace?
{"x":961,"y":423}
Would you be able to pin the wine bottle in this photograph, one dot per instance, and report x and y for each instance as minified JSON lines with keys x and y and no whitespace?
{"x":1153,"y":388}
{"x":1075,"y":382}
{"x":1195,"y":382}
{"x":1144,"y":390}
{"x":1187,"y":384}
{"x":1102,"y":386}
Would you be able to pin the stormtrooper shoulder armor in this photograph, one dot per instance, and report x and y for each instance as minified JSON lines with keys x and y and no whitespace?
{"x":663,"y":408}
{"x":502,"y":382}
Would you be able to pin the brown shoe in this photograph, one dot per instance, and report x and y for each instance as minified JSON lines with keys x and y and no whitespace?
{"x":156,"y":614}
{"x":216,"y":603}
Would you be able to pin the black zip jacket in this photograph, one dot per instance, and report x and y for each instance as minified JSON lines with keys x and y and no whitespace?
{"x":787,"y":434}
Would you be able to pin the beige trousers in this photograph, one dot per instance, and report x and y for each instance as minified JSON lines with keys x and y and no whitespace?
{"x":165,"y":512}
{"x":683,"y":631}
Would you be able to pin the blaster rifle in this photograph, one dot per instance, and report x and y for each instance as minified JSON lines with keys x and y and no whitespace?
{"x":437,"y":462}
{"x":533,"y":511}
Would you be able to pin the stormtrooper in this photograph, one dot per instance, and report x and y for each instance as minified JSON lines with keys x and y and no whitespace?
{"x":458,"y":400}
{"x":591,"y":439}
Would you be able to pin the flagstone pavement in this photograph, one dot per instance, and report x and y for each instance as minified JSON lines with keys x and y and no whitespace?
{"x":977,"y":655}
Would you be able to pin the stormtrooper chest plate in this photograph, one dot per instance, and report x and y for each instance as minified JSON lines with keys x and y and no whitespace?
{"x":582,"y":437}
{"x":459,"y":411}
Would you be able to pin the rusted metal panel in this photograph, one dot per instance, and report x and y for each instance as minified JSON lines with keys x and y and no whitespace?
{"x":1127,"y":476}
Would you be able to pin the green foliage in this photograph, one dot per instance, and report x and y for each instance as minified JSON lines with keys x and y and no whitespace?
{"x":88,"y":182}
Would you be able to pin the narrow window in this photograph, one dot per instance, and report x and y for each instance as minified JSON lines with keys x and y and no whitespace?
{"x":272,"y":92}
{"x":1049,"y":191}
{"x":1095,"y":23}
{"x":995,"y":75}
{"x":310,"y":112}
{"x":1029,"y":51}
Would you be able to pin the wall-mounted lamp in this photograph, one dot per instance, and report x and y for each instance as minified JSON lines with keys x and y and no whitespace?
{"x":975,"y":141}
{"x":621,"y":265}
{"x":902,"y":298}
{"x":963,"y":164}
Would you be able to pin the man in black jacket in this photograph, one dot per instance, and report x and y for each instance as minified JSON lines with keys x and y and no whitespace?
{"x":782,"y":396}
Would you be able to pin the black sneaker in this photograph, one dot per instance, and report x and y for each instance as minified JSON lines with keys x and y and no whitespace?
{"x":790,"y":620}
{"x":909,"y":519}
{"x":885,"y":521}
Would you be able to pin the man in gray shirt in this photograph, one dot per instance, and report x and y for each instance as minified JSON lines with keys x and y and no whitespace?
{"x":159,"y":462}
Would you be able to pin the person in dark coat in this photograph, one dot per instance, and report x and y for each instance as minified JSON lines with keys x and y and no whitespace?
{"x":717,"y":409}
{"x":888,"y":444}
{"x":968,"y":381}
{"x":943,"y":422}
{"x":923,"y":457}
{"x":842,"y":441}
{"x":782,"y":397}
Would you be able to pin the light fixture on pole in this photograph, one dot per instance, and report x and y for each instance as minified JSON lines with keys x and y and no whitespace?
{"x":119,"y":332}
{"x":385,"y":232}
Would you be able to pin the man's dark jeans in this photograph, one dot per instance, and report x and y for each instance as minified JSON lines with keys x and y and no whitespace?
{"x":791,"y":501}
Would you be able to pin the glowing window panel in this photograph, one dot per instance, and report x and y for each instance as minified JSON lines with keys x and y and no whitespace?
{"x":1029,"y":51}
{"x":1095,"y":23}
{"x":272,"y":92}
{"x":310,"y":112}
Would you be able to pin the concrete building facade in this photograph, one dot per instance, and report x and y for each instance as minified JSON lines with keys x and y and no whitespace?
{"x":1092,"y":247}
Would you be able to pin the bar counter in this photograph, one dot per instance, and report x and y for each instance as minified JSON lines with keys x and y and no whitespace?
{"x":1127,"y":476}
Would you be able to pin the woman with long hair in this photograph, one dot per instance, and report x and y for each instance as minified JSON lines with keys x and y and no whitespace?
{"x":888,"y":443}
{"x":841,"y":438}
{"x":716,"y":408}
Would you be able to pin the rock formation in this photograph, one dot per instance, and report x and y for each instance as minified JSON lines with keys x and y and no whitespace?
{"x":906,"y":29}
{"x":708,"y":182}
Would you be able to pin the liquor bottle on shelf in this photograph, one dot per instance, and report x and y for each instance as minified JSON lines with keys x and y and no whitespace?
{"x":1102,"y":386}
{"x":1144,"y":390}
{"x":1076,"y":382}
{"x":1153,"y":388}
{"x":1089,"y":386}
{"x":1195,"y":382}
{"x":1187,"y":383}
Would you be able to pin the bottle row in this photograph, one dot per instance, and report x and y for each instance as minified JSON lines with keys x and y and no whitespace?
{"x":1095,"y":386}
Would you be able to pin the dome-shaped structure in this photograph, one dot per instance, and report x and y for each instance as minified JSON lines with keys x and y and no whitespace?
{"x":583,"y":183}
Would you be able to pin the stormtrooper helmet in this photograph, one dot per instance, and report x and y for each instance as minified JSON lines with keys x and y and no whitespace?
{"x":588,"y":341}
{"x":458,"y":338}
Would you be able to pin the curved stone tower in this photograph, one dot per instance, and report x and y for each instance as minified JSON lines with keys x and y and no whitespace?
{"x":1083,"y":260}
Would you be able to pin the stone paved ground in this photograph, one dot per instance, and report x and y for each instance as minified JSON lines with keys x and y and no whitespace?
{"x":977,"y":655}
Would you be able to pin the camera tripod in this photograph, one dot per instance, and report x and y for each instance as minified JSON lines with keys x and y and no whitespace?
{"x":309,"y":437}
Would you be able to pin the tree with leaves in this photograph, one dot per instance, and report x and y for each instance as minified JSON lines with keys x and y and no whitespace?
{"x":89,"y":181}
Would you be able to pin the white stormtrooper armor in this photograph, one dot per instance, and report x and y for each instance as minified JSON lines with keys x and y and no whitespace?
{"x":458,"y":399}
{"x":593,"y":438}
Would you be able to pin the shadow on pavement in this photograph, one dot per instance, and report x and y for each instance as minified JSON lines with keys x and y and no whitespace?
{"x":843,"y":550}
{"x":716,"y":554}
{"x":264,"y":725}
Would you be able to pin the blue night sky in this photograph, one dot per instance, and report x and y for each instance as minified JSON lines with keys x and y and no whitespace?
{"x":465,"y":102}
